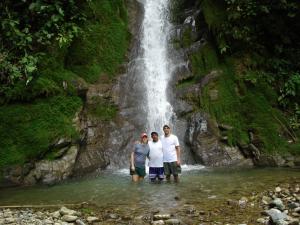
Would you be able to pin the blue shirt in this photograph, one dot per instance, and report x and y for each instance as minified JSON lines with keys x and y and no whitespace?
{"x":141,"y":151}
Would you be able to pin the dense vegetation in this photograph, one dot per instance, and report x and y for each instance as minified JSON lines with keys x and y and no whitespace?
{"x":47,"y":50}
{"x":255,"y":45}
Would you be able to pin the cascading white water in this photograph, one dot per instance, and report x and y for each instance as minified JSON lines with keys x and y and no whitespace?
{"x":154,"y":43}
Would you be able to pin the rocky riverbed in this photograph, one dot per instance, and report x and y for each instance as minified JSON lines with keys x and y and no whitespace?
{"x":277,"y":206}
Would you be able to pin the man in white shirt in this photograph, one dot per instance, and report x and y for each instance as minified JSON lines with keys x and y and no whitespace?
{"x":171,"y":151}
{"x":156,"y":166}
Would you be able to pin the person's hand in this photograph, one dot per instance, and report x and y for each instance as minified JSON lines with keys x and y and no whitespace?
{"x":178,"y":162}
{"x":132,"y":167}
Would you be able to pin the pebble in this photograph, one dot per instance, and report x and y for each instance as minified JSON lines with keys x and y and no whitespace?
{"x":69,"y":218}
{"x":158,"y":222}
{"x":172,"y":221}
{"x":92,"y":219}
{"x":161,"y":216}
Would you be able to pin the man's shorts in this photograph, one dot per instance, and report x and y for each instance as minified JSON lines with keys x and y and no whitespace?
{"x":171,"y":168}
{"x":156,"y":172}
{"x":140,"y":171}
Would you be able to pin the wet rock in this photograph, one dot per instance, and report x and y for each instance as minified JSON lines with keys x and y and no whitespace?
{"x":297,"y":210}
{"x":266,"y":200}
{"x":92,"y":219}
{"x":56,"y":214}
{"x":276,"y":215}
{"x":203,"y":138}
{"x":173,"y":221}
{"x":9,"y":220}
{"x":243,"y":202}
{"x":65,"y":211}
{"x":277,"y":203}
{"x":158,"y":222}
{"x":49,"y":172}
{"x":293,"y":221}
{"x":79,"y":222}
{"x":113,"y":216}
{"x":161,"y":216}
{"x":47,"y":221}
{"x":69,"y":218}
{"x":264,"y":220}
{"x":293,"y":205}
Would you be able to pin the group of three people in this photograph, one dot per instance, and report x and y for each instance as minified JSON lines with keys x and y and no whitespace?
{"x":163,"y":155}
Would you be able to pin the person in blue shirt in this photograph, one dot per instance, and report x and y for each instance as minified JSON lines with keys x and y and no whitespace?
{"x":138,"y":158}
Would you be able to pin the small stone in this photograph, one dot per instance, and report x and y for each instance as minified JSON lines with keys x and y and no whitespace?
{"x":56,"y":214}
{"x":277,"y":189}
{"x":277,"y":203}
{"x":113,"y":216}
{"x":297,"y":210}
{"x":66,"y":211}
{"x":161,"y":216}
{"x":158,"y":222}
{"x":275,"y":214}
{"x":264,"y":220}
{"x":69,"y":218}
{"x":92,"y":219}
{"x":79,"y":222}
{"x":243,"y":202}
{"x":10,"y":220}
{"x":172,"y":221}
{"x":293,"y":221}
{"x":293,"y":205}
{"x":47,"y":221}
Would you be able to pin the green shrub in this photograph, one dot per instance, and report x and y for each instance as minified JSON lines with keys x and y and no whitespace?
{"x":27,"y":130}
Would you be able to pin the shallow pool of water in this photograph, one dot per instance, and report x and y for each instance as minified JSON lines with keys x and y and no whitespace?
{"x":198,"y":186}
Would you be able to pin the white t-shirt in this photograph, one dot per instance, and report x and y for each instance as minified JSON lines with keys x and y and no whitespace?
{"x":156,"y":154}
{"x":169,"y":150}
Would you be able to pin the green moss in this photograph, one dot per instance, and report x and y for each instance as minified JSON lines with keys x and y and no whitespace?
{"x":214,"y":13}
{"x":186,"y":38}
{"x":204,"y":61}
{"x":225,"y":109}
{"x":102,"y":108}
{"x":27,"y":130}
{"x":103,"y":45}
{"x":249,"y":109}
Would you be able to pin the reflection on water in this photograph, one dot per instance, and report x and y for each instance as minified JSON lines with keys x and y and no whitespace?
{"x":198,"y":186}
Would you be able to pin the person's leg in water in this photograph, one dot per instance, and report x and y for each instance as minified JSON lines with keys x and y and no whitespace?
{"x":176,"y":178}
{"x":167,"y":171}
{"x":135,"y":178}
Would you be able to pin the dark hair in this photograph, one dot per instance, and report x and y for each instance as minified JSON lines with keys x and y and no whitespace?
{"x":154,"y":133}
{"x":166,"y":126}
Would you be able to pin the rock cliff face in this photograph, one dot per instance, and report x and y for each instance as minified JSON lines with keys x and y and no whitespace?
{"x":207,"y":139}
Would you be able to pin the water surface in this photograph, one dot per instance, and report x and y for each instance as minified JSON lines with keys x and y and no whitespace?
{"x":198,"y":186}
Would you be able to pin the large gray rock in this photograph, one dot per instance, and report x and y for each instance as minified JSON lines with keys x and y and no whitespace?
{"x":49,"y":172}
{"x":203,"y":138}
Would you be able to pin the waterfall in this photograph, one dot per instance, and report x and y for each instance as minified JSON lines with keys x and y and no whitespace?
{"x":156,"y":30}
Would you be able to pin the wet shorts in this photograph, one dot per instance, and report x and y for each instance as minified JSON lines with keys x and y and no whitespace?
{"x":141,"y":172}
{"x":171,"y":168}
{"x":156,"y":172}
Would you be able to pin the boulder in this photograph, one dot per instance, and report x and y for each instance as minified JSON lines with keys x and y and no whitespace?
{"x":203,"y":138}
{"x":49,"y":172}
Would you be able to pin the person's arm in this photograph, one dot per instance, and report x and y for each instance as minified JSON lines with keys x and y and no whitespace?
{"x":132,"y":161}
{"x":178,"y":154}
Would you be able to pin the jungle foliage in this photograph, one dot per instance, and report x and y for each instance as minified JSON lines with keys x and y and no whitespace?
{"x":48,"y":49}
{"x":256,"y":45}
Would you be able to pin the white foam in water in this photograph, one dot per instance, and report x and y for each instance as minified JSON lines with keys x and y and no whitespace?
{"x":192,"y":167}
{"x":183,"y":168}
